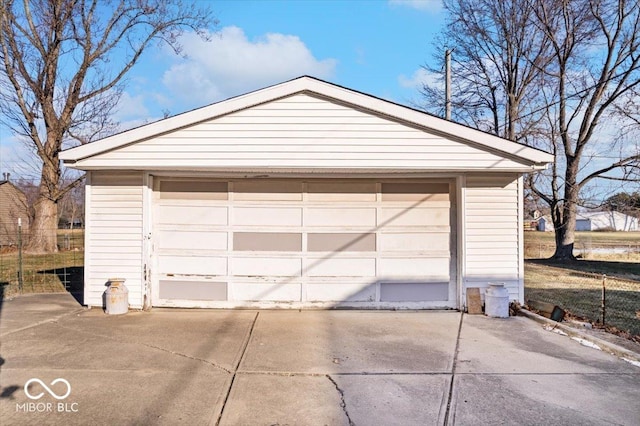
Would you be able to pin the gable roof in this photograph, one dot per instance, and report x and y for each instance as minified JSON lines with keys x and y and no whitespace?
{"x":530,"y":158}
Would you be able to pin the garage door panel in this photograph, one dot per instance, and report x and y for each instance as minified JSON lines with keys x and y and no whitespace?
{"x":432,"y":241}
{"x":336,"y":267}
{"x":340,"y":217}
{"x":341,"y":191}
{"x":340,"y":292}
{"x":193,"y":190}
{"x":414,"y":267}
{"x":415,"y":192}
{"x":267,"y":292}
{"x":192,"y":265}
{"x":414,"y":291}
{"x":265,"y":216}
{"x":267,"y":241}
{"x":341,"y":242}
{"x":267,"y":266}
{"x":192,"y":240}
{"x":193,"y":290}
{"x":413,"y":216}
{"x":191,"y":215}
{"x":266,"y":190}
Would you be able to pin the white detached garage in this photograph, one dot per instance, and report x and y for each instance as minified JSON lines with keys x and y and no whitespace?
{"x":304,"y":194}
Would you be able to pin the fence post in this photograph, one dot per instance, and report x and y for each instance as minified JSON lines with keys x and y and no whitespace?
{"x":20,"y":274}
{"x":603,"y":305}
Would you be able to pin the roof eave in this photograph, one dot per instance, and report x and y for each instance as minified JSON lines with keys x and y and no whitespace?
{"x":311,"y":171}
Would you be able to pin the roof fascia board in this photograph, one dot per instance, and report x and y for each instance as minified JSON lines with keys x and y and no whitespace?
{"x":351,"y":171}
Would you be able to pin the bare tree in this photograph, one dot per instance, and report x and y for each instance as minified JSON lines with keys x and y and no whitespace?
{"x":596,"y":63}
{"x":497,"y":55}
{"x":63,"y":66}
{"x":574,"y":64}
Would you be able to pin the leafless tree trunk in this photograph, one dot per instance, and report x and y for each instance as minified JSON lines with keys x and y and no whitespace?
{"x":63,"y":64}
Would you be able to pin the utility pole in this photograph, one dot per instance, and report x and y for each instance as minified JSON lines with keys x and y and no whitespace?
{"x":447,"y":84}
{"x":20,"y":271}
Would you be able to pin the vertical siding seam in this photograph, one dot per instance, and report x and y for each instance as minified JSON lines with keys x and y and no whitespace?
{"x":521,"y":239}
{"x":87,"y":246}
{"x":462,"y":239}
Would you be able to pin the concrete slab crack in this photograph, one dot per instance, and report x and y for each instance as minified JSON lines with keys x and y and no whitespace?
{"x":47,"y":321}
{"x":213,"y":364}
{"x":343,"y":403}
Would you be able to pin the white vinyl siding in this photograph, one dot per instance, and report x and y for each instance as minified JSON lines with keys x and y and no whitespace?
{"x":331,"y":240}
{"x":492,"y":232}
{"x":114,"y":234}
{"x":302,"y":131}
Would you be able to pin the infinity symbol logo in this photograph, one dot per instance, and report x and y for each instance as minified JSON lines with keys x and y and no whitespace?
{"x":52,"y":393}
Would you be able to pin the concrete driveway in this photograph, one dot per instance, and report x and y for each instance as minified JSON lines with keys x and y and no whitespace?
{"x":297,"y":368}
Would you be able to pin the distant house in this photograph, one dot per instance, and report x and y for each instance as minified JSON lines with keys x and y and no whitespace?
{"x":544,"y":224}
{"x":13,"y":206}
{"x":596,"y":221}
{"x":606,"y":220}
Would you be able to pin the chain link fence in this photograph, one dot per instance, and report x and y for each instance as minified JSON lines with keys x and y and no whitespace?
{"x":621,"y":251}
{"x":23,"y":272}
{"x":601,"y":299}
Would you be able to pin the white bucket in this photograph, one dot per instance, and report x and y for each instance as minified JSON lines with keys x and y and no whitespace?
{"x":496,"y":301}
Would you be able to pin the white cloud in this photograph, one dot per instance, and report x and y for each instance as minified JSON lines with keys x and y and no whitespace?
{"x":230,"y":64}
{"x":432,"y":6}
{"x":130,"y":106}
{"x":419,"y":79}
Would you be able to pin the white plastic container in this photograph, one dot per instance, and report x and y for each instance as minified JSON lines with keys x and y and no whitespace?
{"x":496,"y":301}
{"x":116,"y":297}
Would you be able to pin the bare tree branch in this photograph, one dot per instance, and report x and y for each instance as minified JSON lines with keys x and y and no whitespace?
{"x":62,"y":64}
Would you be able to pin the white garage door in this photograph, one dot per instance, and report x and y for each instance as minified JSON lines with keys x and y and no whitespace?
{"x":303,"y":243}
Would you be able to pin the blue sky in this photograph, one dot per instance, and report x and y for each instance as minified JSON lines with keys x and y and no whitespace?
{"x":373,"y":46}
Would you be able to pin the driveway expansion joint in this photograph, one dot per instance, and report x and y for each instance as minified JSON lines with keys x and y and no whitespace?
{"x":447,"y":413}
{"x":234,"y":373}
{"x":344,"y":373}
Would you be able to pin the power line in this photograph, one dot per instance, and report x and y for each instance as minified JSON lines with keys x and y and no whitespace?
{"x":578,"y":93}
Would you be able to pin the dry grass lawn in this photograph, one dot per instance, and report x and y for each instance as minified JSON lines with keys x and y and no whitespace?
{"x":577,"y":286}
{"x":44,"y":273}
